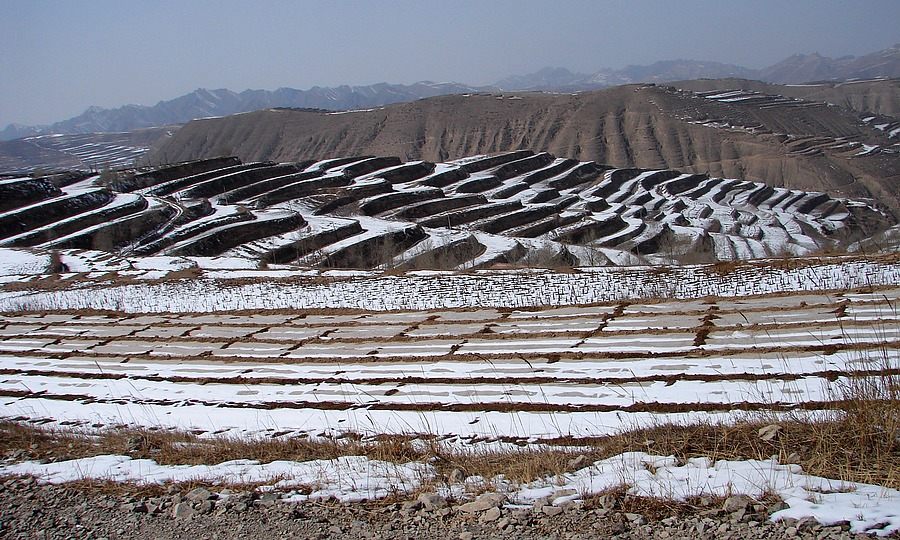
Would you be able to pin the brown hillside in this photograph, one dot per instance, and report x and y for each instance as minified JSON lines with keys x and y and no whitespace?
{"x":780,"y":141}
{"x":875,"y":97}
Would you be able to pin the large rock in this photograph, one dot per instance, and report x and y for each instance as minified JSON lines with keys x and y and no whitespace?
{"x":483,"y":503}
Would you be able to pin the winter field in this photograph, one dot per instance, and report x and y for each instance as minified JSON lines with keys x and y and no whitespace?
{"x":513,"y":363}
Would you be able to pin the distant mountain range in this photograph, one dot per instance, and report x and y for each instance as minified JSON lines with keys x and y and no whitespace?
{"x":800,"y":68}
{"x":556,"y":78}
{"x":203,"y":103}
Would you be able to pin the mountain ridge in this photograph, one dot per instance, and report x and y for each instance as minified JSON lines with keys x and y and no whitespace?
{"x":203,"y":102}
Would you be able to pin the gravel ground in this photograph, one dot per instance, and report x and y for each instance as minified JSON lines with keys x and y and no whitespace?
{"x":30,"y":510}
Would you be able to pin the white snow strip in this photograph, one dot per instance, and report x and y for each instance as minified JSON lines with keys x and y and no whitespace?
{"x":347,"y":478}
{"x":772,"y":364}
{"x":808,"y":389}
{"x":242,"y":422}
{"x":21,"y":261}
{"x":868,"y":508}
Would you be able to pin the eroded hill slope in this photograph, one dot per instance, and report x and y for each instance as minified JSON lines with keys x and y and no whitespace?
{"x":876,"y":96}
{"x":779,"y":140}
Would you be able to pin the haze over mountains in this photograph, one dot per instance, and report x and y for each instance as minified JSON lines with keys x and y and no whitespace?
{"x":202,"y":103}
{"x":799,"y":68}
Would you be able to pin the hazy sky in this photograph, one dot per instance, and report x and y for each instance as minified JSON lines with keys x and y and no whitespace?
{"x":59,"y":57}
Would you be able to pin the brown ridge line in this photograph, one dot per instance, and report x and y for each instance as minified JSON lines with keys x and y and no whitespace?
{"x":830,"y":375}
{"x":455,"y":407}
{"x":571,"y":354}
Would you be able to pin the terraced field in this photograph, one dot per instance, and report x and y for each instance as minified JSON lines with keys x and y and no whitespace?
{"x":468,"y":375}
{"x":799,"y":145}
{"x":378,"y":212}
{"x":83,"y":151}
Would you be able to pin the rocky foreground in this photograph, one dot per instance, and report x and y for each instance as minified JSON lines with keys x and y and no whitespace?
{"x":31,"y":510}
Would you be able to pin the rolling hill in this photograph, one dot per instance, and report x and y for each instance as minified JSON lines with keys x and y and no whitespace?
{"x":740,"y":134}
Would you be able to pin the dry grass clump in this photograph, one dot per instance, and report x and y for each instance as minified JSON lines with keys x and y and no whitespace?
{"x":724,"y":268}
{"x":524,"y":465}
{"x":178,"y":447}
{"x":863,"y":443}
{"x":191,"y":272}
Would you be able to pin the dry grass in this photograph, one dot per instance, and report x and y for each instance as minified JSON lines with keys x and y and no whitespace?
{"x":861,"y":445}
{"x":724,"y":268}
{"x":179,"y":447}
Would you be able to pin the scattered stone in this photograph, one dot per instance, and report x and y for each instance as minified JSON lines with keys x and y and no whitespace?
{"x":736,"y":502}
{"x":182,"y":510}
{"x":550,"y":510}
{"x":431,"y":501}
{"x":491,"y":514}
{"x":578,"y":462}
{"x":37,"y":511}
{"x":482,"y":503}
{"x":456,"y":476}
{"x":769,"y":433}
{"x":198,"y":494}
{"x":636,"y":519}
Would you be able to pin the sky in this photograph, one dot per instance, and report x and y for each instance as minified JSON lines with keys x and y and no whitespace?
{"x":59,"y":57}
